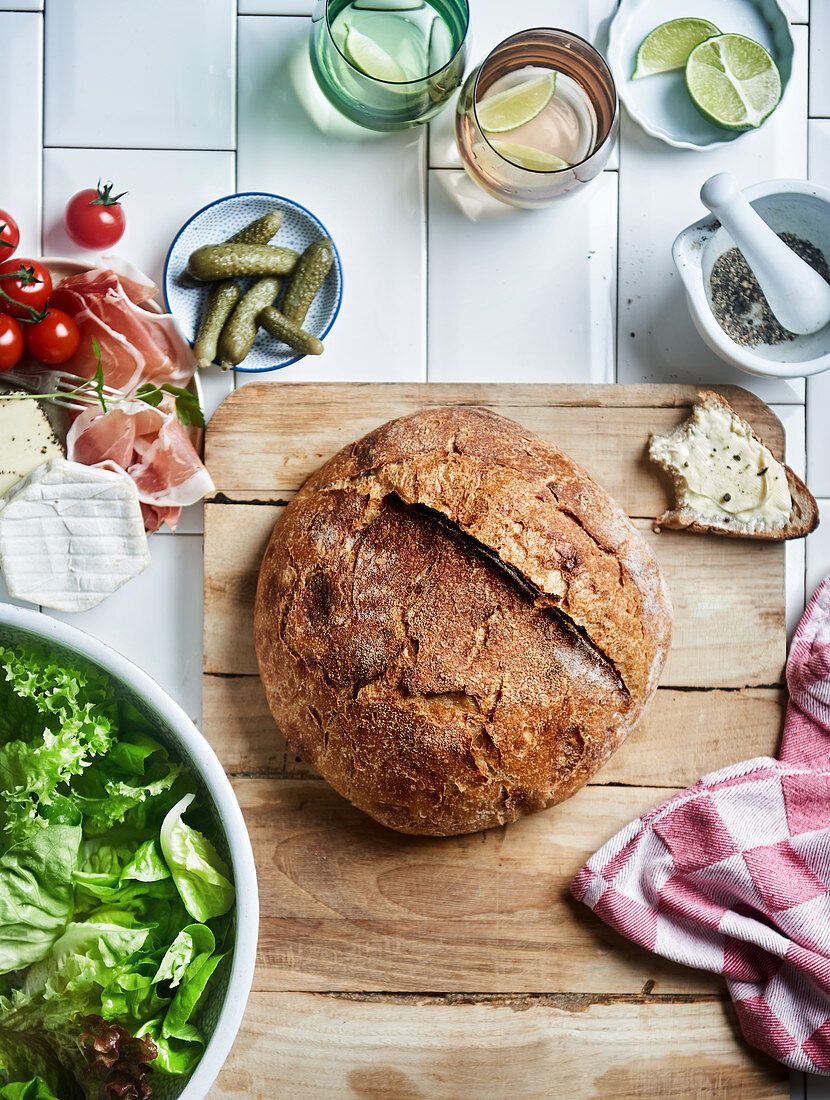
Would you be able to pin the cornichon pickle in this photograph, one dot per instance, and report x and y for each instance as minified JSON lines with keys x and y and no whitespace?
{"x":259,"y":231}
{"x":225,"y":261}
{"x":240,"y":331}
{"x":221,"y":299}
{"x":289,"y":332}
{"x":311,"y":269}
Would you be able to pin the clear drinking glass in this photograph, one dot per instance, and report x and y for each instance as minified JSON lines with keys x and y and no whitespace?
{"x":560,"y":149}
{"x":389,"y":64}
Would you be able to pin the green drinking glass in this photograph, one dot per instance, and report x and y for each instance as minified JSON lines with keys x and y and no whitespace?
{"x":389,"y":64}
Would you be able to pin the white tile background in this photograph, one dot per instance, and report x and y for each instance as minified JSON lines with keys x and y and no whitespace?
{"x":584,"y":292}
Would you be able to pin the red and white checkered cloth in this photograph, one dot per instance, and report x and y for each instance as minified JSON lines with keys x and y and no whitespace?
{"x":732,"y":875}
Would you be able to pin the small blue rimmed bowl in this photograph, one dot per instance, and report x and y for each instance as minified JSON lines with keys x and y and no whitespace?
{"x":219,"y":220}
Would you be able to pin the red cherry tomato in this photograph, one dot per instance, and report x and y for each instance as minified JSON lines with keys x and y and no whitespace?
{"x":54,"y":339}
{"x":11,"y":342}
{"x":25,"y":286}
{"x":9,"y":235}
{"x":95,"y":218}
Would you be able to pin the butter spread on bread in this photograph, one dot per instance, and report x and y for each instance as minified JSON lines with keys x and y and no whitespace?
{"x":726,"y":479}
{"x":723,"y":470}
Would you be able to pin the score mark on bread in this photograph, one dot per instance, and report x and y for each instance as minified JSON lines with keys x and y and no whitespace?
{"x":726,"y":479}
{"x":455,"y":625}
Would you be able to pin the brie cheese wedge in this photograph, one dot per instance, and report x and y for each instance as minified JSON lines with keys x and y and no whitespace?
{"x":70,"y":535}
{"x":26,"y":440}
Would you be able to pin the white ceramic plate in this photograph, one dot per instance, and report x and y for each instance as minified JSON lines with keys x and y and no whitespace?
{"x":218,"y":221}
{"x":661,"y":104}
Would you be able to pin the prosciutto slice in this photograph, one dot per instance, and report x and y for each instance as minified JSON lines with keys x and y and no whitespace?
{"x":152,"y":447}
{"x":136,"y":345}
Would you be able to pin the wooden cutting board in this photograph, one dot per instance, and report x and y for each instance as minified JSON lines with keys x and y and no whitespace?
{"x":405,"y":968}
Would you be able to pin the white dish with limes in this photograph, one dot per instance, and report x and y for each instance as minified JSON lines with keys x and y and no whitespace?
{"x":661,"y":103}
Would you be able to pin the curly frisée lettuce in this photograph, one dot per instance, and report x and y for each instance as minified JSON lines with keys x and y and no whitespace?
{"x":115,"y":914}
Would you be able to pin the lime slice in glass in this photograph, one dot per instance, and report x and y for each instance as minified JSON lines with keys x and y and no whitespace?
{"x":669,"y":45}
{"x":528,"y":157}
{"x":387,"y":5}
{"x":370,"y":58}
{"x":733,"y":81}
{"x":439,"y":45}
{"x":514,"y":107}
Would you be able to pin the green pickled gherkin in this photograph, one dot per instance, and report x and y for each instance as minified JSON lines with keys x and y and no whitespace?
{"x":227,"y":261}
{"x":221,"y":299}
{"x":312,"y":268}
{"x":240,"y":330}
{"x":289,"y":332}
{"x":259,"y":231}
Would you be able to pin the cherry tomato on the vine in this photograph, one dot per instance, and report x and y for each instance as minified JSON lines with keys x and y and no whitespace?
{"x":9,"y":235}
{"x":94,"y":218}
{"x":11,"y":342}
{"x":25,"y":286}
{"x":54,"y":339}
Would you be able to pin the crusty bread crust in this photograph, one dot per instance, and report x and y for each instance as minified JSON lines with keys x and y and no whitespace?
{"x":804,"y":517}
{"x":455,"y":625}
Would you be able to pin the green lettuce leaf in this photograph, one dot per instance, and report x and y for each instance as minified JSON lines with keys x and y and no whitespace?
{"x":192,"y":941}
{"x":53,"y":722}
{"x":199,"y":872}
{"x":36,"y":1089}
{"x":173,"y":1056}
{"x":188,"y":997}
{"x":36,"y":892}
{"x":126,"y":785}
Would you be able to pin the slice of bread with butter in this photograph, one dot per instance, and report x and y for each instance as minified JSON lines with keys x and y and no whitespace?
{"x":727,"y":481}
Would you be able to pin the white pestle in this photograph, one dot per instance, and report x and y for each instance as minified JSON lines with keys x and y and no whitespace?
{"x":797,"y":295}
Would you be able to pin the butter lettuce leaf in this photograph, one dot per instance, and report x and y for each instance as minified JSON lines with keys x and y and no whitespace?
{"x":36,"y":892}
{"x":199,"y":872}
{"x":36,"y":1089}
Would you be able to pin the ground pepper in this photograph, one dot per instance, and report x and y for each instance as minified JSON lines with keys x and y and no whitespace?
{"x":738,"y":302}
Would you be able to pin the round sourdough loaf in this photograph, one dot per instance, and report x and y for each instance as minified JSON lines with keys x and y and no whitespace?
{"x":455,"y":624}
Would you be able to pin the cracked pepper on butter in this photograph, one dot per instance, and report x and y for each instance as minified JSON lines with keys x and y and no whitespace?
{"x":725,"y":470}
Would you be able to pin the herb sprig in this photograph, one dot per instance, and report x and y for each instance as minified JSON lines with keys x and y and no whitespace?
{"x":188,"y":409}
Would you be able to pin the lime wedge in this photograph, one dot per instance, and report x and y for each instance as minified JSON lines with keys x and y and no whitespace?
{"x":514,"y":107}
{"x":528,"y":157}
{"x":370,"y":58}
{"x":733,"y":81}
{"x":668,"y":46}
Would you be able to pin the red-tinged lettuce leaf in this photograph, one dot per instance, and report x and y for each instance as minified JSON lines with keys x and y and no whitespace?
{"x":116,"y":1062}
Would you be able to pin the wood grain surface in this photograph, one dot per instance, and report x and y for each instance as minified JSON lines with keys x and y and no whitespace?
{"x":319,"y":1047}
{"x":396,"y":968}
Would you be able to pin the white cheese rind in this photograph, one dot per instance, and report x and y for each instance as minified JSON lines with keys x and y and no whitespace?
{"x":70,"y":536}
{"x":27,"y":440}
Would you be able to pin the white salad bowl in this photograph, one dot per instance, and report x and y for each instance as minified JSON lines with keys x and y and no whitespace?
{"x":789,"y":206}
{"x":221,"y":1016}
